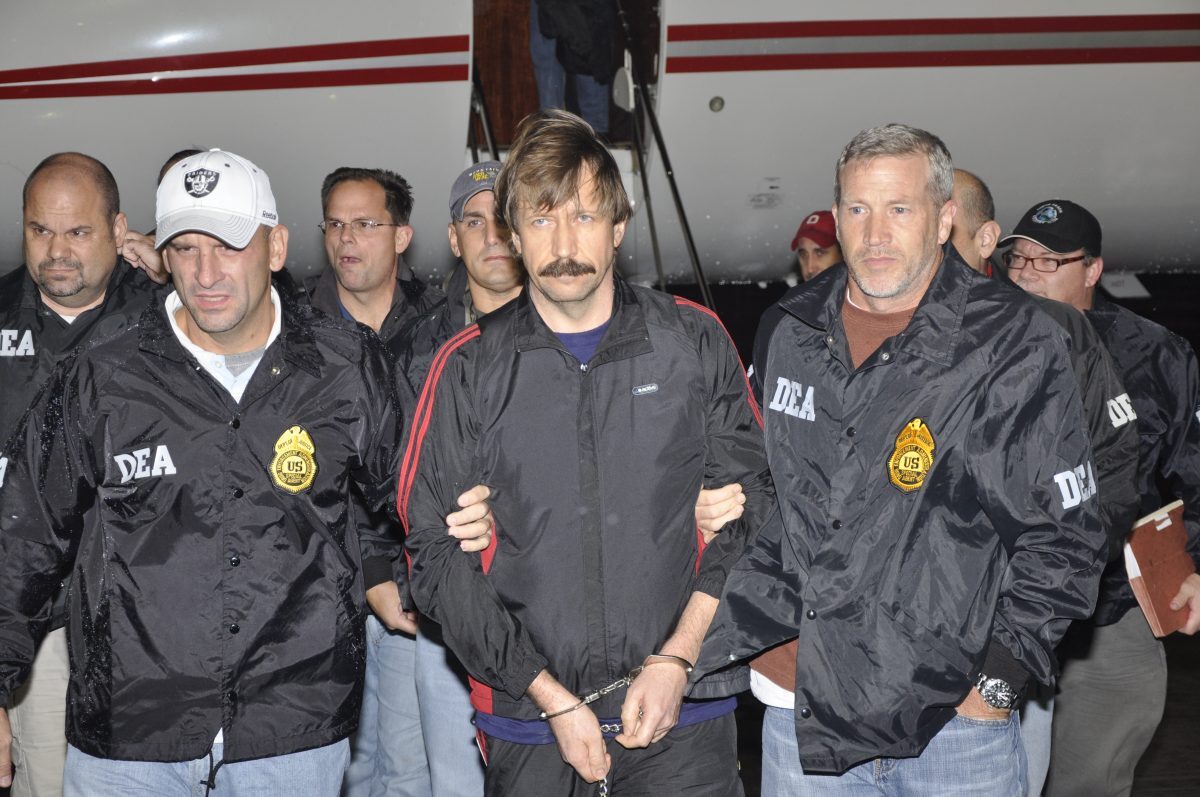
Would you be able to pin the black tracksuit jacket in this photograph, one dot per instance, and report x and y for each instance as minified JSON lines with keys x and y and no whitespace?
{"x":594,"y":469}
{"x":215,"y":565}
{"x":907,"y":564}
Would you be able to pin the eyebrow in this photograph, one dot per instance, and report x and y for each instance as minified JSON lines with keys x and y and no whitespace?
{"x":47,"y":228}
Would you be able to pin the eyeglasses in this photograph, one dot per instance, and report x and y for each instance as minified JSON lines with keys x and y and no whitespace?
{"x":363,"y":226}
{"x":1047,"y":265}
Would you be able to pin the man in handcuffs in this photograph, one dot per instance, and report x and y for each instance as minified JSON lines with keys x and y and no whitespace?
{"x":595,"y":411}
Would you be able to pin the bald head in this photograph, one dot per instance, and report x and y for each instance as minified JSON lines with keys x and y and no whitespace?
{"x":975,"y":231}
{"x":75,"y":167}
{"x":73,"y":231}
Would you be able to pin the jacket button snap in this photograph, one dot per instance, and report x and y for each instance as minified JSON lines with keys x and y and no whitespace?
{"x":810,"y":614}
{"x":851,"y":432}
{"x":805,"y":712}
{"x":235,"y":423}
{"x":885,"y":356}
{"x":234,"y":561}
{"x":234,"y":628}
{"x":837,"y":524}
{"x":237,"y":492}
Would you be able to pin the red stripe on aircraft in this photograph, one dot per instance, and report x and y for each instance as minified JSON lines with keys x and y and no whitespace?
{"x":880,"y":60}
{"x":338,"y":51}
{"x":257,"y":82}
{"x":909,"y":27}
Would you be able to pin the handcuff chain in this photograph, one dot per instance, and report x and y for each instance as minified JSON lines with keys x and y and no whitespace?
{"x":592,"y":697}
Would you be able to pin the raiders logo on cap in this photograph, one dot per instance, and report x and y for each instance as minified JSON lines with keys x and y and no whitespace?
{"x":201,"y":182}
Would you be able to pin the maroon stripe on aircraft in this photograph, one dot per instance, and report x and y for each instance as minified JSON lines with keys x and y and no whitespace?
{"x":880,"y":60}
{"x":258,"y":82}
{"x":339,"y":51}
{"x":908,"y":27}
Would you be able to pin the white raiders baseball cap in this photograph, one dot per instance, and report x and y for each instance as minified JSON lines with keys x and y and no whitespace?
{"x":216,"y":193}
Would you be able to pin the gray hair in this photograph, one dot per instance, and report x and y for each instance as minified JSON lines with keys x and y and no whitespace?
{"x":898,"y":141}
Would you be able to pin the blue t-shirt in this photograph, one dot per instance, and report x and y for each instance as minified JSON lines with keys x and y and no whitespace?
{"x":583,"y":344}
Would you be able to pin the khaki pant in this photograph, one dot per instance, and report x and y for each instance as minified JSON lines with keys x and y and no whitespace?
{"x":1111,"y":696}
{"x":39,"y":722}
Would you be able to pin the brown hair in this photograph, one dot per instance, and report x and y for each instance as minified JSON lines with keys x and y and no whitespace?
{"x":552,"y":154}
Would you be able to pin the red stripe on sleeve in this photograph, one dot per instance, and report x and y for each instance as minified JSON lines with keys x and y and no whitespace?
{"x":422,"y":417}
{"x":679,"y":300}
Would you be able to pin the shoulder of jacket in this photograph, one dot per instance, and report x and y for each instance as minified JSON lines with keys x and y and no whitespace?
{"x":1156,"y":333}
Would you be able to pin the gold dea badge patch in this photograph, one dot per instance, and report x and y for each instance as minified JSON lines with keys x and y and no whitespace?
{"x":913,"y":457}
{"x":294,"y":466}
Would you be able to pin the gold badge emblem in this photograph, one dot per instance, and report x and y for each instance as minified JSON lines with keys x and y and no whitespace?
{"x":913,"y":457}
{"x":294,"y":466}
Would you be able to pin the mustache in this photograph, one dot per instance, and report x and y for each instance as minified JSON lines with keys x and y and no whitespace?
{"x":566,"y":267}
{"x":58,"y":263}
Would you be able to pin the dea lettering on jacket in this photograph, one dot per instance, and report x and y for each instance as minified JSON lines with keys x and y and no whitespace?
{"x":143,"y":463}
{"x":1077,"y":485}
{"x":16,"y":343}
{"x":794,"y":399}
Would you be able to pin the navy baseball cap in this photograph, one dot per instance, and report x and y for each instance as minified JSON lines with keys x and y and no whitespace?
{"x":1059,"y":225}
{"x":477,"y":178}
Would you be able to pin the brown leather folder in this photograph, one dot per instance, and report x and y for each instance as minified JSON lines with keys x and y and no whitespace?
{"x":1157,"y":560}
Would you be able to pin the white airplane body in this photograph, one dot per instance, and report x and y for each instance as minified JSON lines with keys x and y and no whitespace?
{"x":1098,"y":101}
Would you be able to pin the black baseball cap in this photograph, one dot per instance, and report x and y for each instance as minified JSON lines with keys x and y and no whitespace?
{"x":1059,"y":225}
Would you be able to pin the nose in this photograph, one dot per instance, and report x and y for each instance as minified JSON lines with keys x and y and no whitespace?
{"x":60,"y":247}
{"x":563,"y":243}
{"x":347,"y":232}
{"x":875,"y":230}
{"x":491,"y":232}
{"x":208,"y":271}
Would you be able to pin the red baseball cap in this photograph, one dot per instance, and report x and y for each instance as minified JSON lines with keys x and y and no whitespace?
{"x":819,"y":228}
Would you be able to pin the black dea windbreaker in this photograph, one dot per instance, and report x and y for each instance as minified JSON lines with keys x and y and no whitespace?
{"x":594,"y":470}
{"x":213,"y":547}
{"x":33,"y":339}
{"x":939,"y":514}
{"x":1159,"y":368}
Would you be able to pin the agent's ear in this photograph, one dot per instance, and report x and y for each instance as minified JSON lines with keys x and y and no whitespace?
{"x":453,"y":234}
{"x":1092,"y":275}
{"x":277,"y":241}
{"x":403,"y":237}
{"x":986,"y":238}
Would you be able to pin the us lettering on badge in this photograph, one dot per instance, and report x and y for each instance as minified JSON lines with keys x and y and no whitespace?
{"x":792,"y":399}
{"x":9,"y":345}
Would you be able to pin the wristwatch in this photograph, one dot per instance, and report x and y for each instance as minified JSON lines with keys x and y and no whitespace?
{"x":996,"y":692}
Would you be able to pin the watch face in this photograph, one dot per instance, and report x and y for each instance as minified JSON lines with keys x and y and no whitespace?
{"x":997,"y":693}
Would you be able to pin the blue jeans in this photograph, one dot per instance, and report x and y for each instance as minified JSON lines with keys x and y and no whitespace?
{"x":967,"y":758}
{"x":455,"y":765}
{"x":591,"y":95}
{"x":389,"y":752}
{"x":311,"y":773}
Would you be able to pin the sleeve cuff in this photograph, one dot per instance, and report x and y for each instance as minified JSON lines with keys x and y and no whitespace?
{"x":1001,"y":663}
{"x":376,"y":570}
{"x":711,"y":584}
{"x":520,"y":676}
